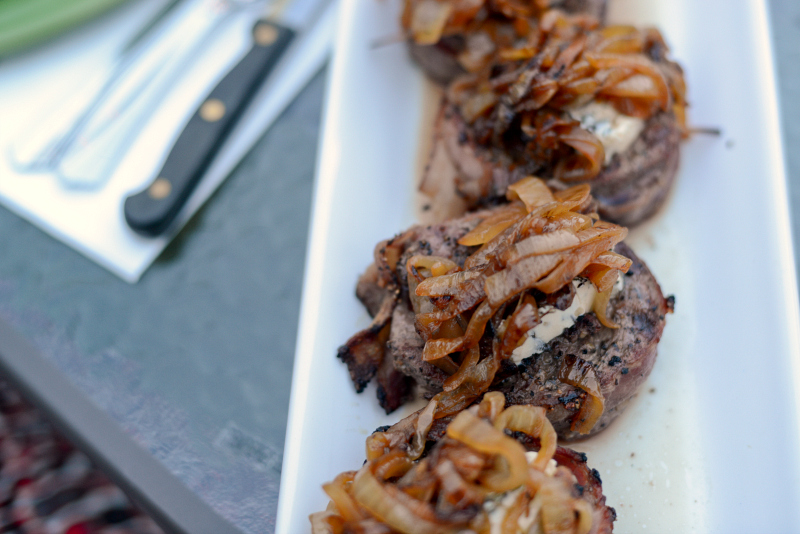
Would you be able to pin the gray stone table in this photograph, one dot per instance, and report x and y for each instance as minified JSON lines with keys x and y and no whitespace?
{"x":194,"y":362}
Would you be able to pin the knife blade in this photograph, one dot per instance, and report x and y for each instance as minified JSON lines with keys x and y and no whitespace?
{"x":151,"y":211}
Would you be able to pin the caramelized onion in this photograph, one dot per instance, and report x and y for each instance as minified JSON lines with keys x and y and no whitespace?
{"x":392,"y":465}
{"x":418,"y":304}
{"x":491,"y":405}
{"x":510,"y":523}
{"x":471,"y":293}
{"x":337,"y":491}
{"x":563,"y":515}
{"x":575,"y":197}
{"x":523,"y":275}
{"x":437,"y":265}
{"x":580,"y":373}
{"x":523,"y":86}
{"x":445,"y":285}
{"x":637,"y":86}
{"x":380,"y":443}
{"x":493,"y":225}
{"x":637,"y":63}
{"x":539,"y":244}
{"x":446,"y":364}
{"x":428,"y":20}
{"x":455,"y":493}
{"x":524,"y":318}
{"x":603,"y":278}
{"x":621,"y":40}
{"x":439,"y":348}
{"x":464,"y":11}
{"x":393,"y":507}
{"x":594,"y":241}
{"x":477,"y":434}
{"x":570,"y":220}
{"x":531,"y":420}
{"x":600,"y":306}
{"x":456,"y":379}
{"x":445,"y":492}
{"x":476,"y":105}
{"x":532,"y":192}
{"x":327,"y":522}
{"x":613,"y":260}
{"x":476,"y":381}
{"x":588,"y":158}
{"x":421,"y":429}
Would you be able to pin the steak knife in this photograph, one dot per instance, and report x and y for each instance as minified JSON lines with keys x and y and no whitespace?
{"x":150,"y":212}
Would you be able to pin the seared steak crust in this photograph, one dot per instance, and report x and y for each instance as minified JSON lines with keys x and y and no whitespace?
{"x":629,"y":189}
{"x":405,"y":351}
{"x":590,"y":482}
{"x":364,"y":352}
{"x":634,"y":184}
{"x":369,"y":292}
{"x":622,"y":358}
{"x":404,"y":345}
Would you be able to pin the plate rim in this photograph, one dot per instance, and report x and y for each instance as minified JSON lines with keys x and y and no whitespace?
{"x":325,"y":178}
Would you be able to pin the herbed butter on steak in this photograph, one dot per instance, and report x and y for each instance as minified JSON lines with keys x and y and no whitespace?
{"x":565,"y":359}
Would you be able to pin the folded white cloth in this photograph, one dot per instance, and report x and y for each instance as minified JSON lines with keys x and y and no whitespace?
{"x":91,"y":221}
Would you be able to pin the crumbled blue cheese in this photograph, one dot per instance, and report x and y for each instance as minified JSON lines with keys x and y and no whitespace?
{"x":550,"y":470}
{"x":497,"y":506}
{"x":616,"y":131}
{"x":555,"y":321}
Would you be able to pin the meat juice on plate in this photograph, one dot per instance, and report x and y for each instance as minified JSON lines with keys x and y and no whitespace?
{"x":647,"y":457}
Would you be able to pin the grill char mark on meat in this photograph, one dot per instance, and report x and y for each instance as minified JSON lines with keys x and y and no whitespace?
{"x":622,"y":358}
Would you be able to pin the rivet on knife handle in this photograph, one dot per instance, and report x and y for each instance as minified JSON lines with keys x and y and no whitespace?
{"x":150,"y":212}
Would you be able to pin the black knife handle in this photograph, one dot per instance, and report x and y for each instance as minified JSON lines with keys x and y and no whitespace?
{"x":151,"y":211}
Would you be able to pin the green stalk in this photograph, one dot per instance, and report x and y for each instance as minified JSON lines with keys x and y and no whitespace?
{"x":27,"y":22}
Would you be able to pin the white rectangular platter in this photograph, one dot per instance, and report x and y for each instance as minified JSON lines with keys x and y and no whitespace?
{"x":711,"y":442}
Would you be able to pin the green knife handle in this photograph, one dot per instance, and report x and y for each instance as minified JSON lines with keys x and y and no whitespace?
{"x":152,"y":211}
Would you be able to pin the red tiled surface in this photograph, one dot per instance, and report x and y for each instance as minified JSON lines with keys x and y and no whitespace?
{"x":49,"y":487}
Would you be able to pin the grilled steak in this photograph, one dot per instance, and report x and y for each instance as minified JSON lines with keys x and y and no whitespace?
{"x":621,"y":358}
{"x":440,"y":61}
{"x":488,"y":468}
{"x":587,"y":478}
{"x":629,"y":189}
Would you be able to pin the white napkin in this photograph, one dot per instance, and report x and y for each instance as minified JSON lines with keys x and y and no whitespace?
{"x":92,"y":221}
